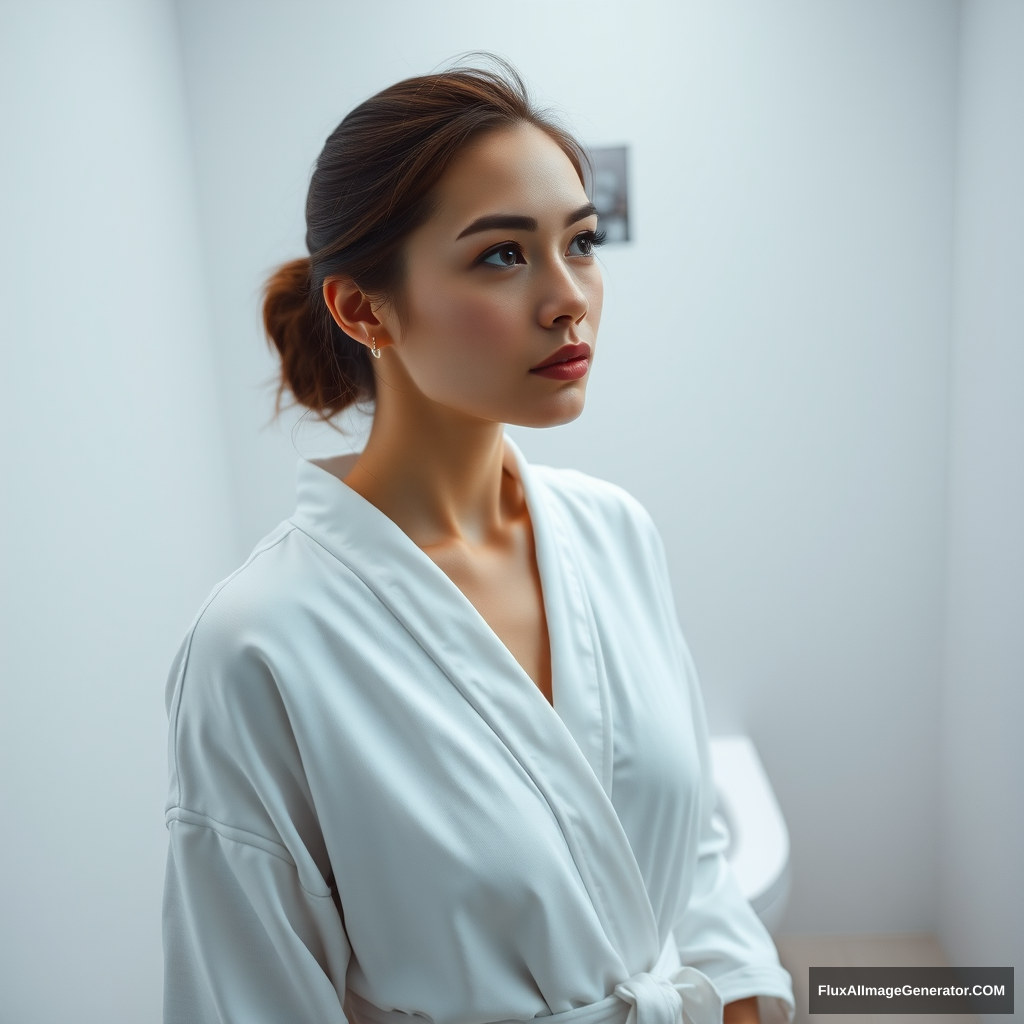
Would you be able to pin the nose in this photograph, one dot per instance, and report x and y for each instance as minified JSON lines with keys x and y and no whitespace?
{"x":564,"y":301}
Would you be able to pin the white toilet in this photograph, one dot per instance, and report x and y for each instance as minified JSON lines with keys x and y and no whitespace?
{"x":758,"y":838}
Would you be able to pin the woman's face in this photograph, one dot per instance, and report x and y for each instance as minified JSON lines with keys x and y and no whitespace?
{"x":499,"y":281}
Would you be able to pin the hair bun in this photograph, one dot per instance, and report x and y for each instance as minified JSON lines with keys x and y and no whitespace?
{"x":286,"y":303}
{"x":288,"y":321}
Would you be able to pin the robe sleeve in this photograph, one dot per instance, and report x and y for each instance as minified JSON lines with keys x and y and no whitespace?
{"x":251,"y":929}
{"x":719,"y":933}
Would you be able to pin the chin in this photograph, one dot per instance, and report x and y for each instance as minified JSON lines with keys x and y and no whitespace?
{"x":558,"y":410}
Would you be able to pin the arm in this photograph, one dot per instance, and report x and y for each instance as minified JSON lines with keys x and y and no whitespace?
{"x":244,"y":942}
{"x":252,"y":933}
{"x":719,"y":933}
{"x":741,"y":1011}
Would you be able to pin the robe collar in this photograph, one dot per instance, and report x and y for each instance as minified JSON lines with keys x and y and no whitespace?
{"x":566,"y":748}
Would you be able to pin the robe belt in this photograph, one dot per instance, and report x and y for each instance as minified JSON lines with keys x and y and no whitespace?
{"x":668,"y":994}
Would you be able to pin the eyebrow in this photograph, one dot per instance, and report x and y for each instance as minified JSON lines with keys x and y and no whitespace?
{"x":511,"y":221}
{"x":518,"y":222}
{"x":585,"y":211}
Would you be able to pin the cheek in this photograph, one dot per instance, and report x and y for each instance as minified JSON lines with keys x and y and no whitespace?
{"x":472,"y":325}
{"x":593,"y":288}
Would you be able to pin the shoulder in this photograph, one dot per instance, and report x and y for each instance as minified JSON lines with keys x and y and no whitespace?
{"x":252,"y":626}
{"x":232,"y":693}
{"x":220,"y":639}
{"x":600,"y":513}
{"x":250,"y":597}
{"x":278,"y":590}
{"x":234,"y":685}
{"x":620,"y":557}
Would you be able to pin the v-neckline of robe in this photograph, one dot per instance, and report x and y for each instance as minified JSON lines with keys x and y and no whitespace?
{"x":565,"y":746}
{"x":511,"y":463}
{"x":579,"y":686}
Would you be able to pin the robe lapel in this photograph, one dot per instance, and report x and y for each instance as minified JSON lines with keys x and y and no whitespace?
{"x":569,"y":760}
{"x":578,"y":678}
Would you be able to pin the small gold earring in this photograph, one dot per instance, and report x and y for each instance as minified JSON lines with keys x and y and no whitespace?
{"x":375,"y":352}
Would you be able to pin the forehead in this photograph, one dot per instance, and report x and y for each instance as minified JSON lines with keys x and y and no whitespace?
{"x":519,"y":170}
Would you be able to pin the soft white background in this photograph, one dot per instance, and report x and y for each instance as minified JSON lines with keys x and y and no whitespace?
{"x":811,"y":371}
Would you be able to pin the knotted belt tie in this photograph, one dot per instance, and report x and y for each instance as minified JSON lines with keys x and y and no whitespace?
{"x":668,"y":994}
{"x":687,"y":997}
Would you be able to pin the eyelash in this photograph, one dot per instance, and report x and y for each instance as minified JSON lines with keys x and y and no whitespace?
{"x":593,"y":238}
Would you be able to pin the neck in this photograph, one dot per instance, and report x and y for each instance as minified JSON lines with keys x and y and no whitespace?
{"x":434,"y":472}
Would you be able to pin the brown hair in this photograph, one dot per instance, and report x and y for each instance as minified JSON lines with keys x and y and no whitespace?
{"x":372,"y":186}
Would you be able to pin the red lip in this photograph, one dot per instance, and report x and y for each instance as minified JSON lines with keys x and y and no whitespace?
{"x":567,"y":353}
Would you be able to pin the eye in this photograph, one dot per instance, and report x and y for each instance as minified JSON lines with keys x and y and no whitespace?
{"x":508,"y":254}
{"x":586,"y":242}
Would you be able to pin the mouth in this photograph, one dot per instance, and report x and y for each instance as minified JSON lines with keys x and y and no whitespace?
{"x":570,"y":362}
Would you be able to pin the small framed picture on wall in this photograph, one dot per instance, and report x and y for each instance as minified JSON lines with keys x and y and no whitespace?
{"x":608,"y":188}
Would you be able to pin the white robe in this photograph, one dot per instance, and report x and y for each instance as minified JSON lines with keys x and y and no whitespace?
{"x":373,"y":809}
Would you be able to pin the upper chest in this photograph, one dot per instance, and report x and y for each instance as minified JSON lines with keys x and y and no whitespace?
{"x":502,"y":582}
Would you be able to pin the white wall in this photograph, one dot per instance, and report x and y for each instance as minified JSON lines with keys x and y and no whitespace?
{"x":772,"y":374}
{"x":982,"y":837}
{"x":114,"y":520}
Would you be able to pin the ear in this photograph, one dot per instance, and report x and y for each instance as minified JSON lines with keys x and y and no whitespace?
{"x":350,"y":306}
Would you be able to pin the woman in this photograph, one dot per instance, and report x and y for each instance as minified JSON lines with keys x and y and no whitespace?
{"x":437,"y":747}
